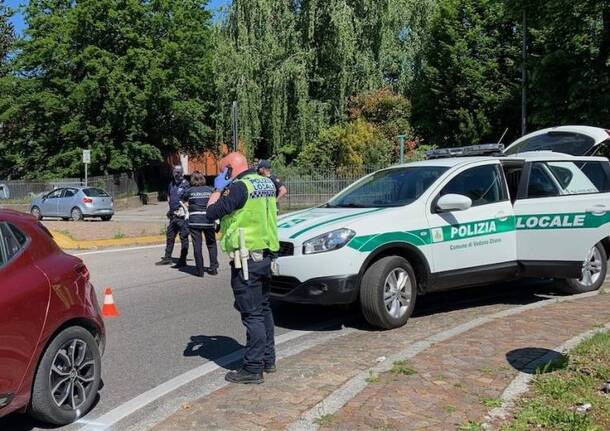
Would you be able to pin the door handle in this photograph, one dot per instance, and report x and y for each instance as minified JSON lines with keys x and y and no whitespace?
{"x":598,"y":210}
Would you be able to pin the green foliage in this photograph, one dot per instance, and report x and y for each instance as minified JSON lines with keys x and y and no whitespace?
{"x":468,"y":91}
{"x":570,"y":62}
{"x":293,"y":65}
{"x":129,"y":79}
{"x":356,"y":145}
{"x":7,"y":35}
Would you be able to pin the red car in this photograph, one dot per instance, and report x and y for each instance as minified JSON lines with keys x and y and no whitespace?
{"x":51,"y":331}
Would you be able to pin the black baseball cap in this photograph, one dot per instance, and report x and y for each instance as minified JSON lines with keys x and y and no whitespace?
{"x":264,"y":164}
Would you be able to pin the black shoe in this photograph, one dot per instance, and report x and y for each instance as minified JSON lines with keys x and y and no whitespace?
{"x":270,"y":369}
{"x":212,"y":271}
{"x":200,"y":273}
{"x":164,"y":261}
{"x":244,"y":377}
{"x":180,"y":264}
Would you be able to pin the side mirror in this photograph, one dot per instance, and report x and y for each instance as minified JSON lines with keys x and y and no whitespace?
{"x":453,"y":202}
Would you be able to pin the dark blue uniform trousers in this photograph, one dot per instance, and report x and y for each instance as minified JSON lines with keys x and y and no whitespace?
{"x":252,"y":302}
{"x":177,"y":226}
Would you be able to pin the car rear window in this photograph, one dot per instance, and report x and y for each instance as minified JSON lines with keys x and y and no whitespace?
{"x":568,"y":178}
{"x":575,"y":144}
{"x":95,"y":193}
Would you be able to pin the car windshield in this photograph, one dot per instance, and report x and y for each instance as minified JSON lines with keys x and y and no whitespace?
{"x":95,"y":193}
{"x":388,"y":188}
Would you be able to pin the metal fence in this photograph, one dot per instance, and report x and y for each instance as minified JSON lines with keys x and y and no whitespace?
{"x":116,"y":185}
{"x":305,"y":190}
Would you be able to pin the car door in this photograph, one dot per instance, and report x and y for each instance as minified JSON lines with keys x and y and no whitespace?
{"x":478,"y":241}
{"x":565,"y":212}
{"x":65,"y":203}
{"x":24,"y":296}
{"x":49,"y":203}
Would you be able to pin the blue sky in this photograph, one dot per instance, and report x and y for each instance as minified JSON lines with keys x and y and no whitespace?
{"x":18,"y":19}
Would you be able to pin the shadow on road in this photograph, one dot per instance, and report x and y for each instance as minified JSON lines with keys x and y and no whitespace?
{"x":213,"y":348}
{"x":306,"y":317}
{"x":536,"y":360}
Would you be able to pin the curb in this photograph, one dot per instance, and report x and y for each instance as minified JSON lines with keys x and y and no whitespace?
{"x":67,"y":243}
{"x":520,"y":384}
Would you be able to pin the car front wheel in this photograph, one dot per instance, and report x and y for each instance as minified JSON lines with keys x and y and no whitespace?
{"x":67,"y":379}
{"x":388,"y":292}
{"x":594,"y":270}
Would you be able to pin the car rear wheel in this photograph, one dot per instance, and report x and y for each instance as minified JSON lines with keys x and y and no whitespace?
{"x":67,"y":379}
{"x":76,"y":214}
{"x":388,"y":292}
{"x":35,"y":211}
{"x":594,"y":270}
{"x":106,"y":218}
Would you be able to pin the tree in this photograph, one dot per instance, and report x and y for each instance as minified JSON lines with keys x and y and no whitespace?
{"x":467,"y":92}
{"x":7,"y":35}
{"x":569,"y":62}
{"x":129,"y":79}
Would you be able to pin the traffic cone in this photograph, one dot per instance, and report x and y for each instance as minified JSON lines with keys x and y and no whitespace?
{"x":109,"y":309}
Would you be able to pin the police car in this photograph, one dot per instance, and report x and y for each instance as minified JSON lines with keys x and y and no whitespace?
{"x":463,"y":217}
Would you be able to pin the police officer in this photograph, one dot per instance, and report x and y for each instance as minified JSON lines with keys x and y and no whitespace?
{"x":177,"y":223}
{"x":245,"y":201}
{"x":264,"y":169}
{"x":197,"y":197}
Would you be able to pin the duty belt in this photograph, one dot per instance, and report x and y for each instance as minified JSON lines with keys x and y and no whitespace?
{"x":255,"y":255}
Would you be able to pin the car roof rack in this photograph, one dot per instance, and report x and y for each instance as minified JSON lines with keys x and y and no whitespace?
{"x":469,"y":151}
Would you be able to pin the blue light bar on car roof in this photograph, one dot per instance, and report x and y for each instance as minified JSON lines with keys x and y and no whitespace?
{"x":470,"y":151}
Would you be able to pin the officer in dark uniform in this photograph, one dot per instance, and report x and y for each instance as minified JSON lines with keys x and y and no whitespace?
{"x":197,"y":197}
{"x":177,"y":223}
{"x":264,"y":169}
{"x":248,"y":222}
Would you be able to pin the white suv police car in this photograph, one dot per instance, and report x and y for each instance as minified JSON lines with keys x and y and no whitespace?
{"x":445,"y":223}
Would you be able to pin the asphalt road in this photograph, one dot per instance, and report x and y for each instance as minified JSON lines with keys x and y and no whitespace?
{"x":172,"y":323}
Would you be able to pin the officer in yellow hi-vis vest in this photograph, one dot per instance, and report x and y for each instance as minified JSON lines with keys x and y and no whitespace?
{"x":245,"y":204}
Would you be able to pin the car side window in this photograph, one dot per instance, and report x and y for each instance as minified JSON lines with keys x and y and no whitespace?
{"x":598,"y":173}
{"x":68,"y":193}
{"x":482,"y":184}
{"x":12,"y":241}
{"x":540,"y":183}
{"x":54,"y":194}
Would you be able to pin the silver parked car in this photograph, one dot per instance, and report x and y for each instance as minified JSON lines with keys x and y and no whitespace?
{"x":74,"y":203}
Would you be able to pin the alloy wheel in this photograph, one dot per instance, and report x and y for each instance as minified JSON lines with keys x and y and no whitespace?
{"x":397,"y":292}
{"x":591,"y":268}
{"x":72,"y":375}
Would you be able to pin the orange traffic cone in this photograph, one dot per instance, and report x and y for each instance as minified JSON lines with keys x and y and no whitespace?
{"x":109,"y":309}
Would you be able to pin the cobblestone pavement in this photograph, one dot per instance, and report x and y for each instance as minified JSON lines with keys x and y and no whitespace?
{"x":455,"y":383}
{"x":454,"y":375}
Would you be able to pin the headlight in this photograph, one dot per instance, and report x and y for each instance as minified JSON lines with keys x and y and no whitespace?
{"x":329,"y":241}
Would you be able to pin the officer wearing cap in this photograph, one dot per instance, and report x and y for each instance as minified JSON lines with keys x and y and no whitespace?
{"x":245,"y":203}
{"x":177,"y":223}
{"x":264,"y":169}
{"x":197,"y":197}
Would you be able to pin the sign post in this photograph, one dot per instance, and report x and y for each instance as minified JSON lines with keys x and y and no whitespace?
{"x":86,"y":161}
{"x":401,"y":140}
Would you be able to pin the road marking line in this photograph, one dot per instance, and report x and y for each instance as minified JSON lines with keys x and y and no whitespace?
{"x":124,"y":410}
{"x":341,"y":396}
{"x":117,"y":250}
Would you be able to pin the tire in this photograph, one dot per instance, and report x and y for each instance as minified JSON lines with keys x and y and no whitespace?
{"x":596,"y":266}
{"x":35,"y":211}
{"x":47,"y":406}
{"x":65,"y":218}
{"x":76,"y":214}
{"x":106,"y":218}
{"x":377,"y":284}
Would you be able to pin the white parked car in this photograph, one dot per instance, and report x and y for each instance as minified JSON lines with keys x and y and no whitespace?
{"x":446,"y":223}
